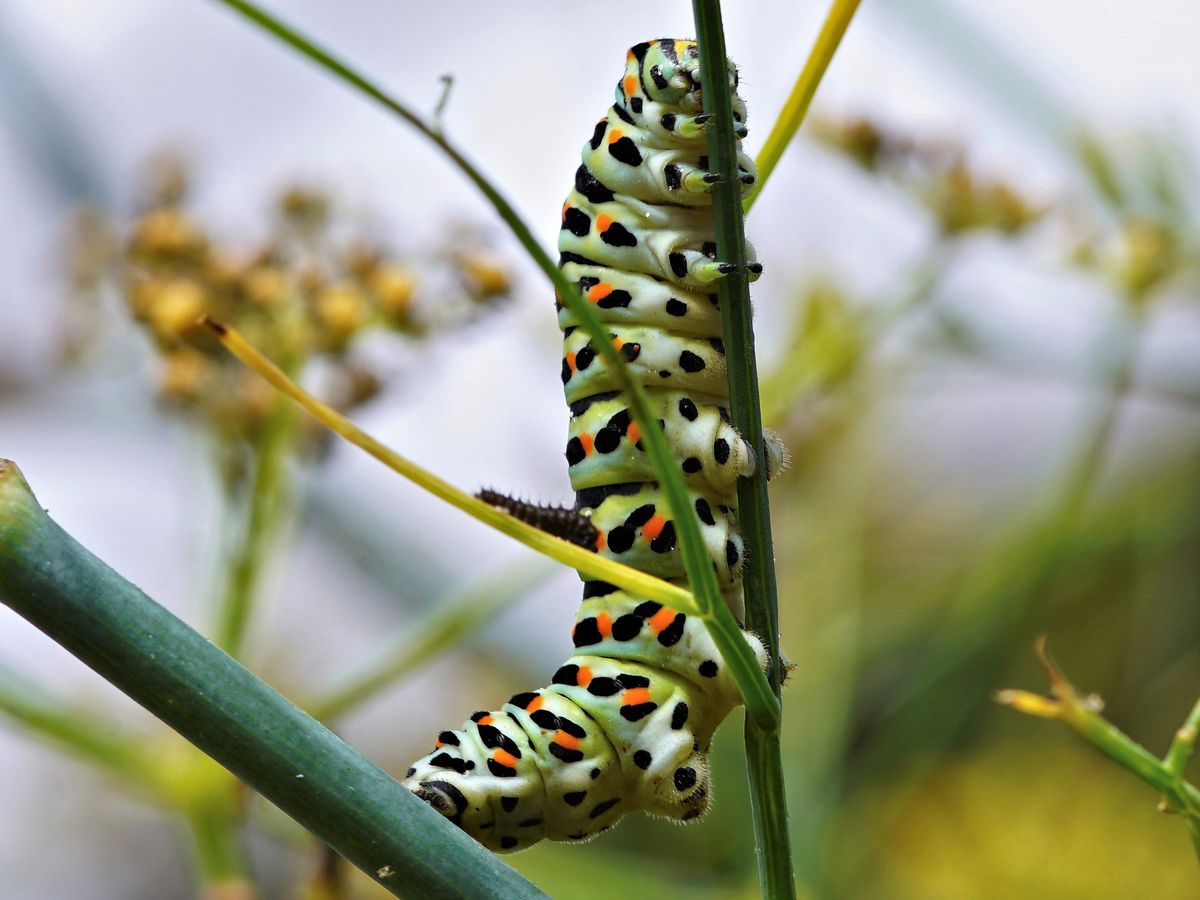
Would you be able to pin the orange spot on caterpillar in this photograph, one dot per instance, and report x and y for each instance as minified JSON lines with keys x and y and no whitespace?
{"x":437,"y":745}
{"x":615,"y":135}
{"x":635,"y":697}
{"x":535,"y":704}
{"x":583,"y":677}
{"x":486,"y":720}
{"x":604,"y":624}
{"x":504,"y":758}
{"x":598,"y":292}
{"x":600,"y":542}
{"x":661,"y":619}
{"x":630,"y":85}
{"x":566,"y":206}
{"x":618,"y":343}
{"x":633,"y":433}
{"x":603,"y":222}
{"x":567,"y":741}
{"x":571,"y":361}
{"x":588,"y":444}
{"x":654,"y":527}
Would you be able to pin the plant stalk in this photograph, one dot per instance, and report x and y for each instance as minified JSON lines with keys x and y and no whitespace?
{"x":209,"y":698}
{"x":764,"y":763}
{"x":262,"y":509}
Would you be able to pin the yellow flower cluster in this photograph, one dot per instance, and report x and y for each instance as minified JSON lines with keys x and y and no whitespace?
{"x":299,"y":296}
{"x":936,"y":174}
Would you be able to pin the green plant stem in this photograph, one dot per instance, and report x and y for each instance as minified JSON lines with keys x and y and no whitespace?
{"x":220,"y":861}
{"x":796,"y":106}
{"x":263,"y":739}
{"x":763,"y":758}
{"x":762,"y":704}
{"x":262,"y":512}
{"x":1179,"y":754}
{"x":1119,"y":747}
{"x":450,"y":620}
{"x":76,"y":731}
{"x":1082,"y":715}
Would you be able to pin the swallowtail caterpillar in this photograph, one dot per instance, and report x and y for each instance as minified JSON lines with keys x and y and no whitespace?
{"x":626,"y":722}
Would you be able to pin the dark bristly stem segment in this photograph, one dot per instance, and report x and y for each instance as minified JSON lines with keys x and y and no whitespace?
{"x":764,"y":762}
{"x":762,"y":704}
{"x":209,"y":698}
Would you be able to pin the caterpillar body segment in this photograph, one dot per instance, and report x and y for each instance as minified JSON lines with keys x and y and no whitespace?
{"x":620,"y":727}
{"x":626,"y":722}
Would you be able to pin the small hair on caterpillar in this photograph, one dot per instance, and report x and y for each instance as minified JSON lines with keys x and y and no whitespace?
{"x":626,"y":722}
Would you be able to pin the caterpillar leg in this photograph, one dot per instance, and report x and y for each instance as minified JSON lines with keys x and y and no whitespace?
{"x":698,"y":181}
{"x":778,"y":458}
{"x":699,"y":267}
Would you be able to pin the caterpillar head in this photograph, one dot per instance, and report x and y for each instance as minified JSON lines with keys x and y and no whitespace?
{"x":668,"y":71}
{"x":443,"y":796}
{"x":469,"y":801}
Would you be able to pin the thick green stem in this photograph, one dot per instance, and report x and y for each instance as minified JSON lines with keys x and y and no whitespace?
{"x":262,"y":514}
{"x":764,"y":763}
{"x":262,"y":738}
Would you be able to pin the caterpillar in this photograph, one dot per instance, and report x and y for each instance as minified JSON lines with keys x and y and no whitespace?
{"x":627,"y":721}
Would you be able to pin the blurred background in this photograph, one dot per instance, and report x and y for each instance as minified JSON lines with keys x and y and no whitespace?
{"x":980,"y":338}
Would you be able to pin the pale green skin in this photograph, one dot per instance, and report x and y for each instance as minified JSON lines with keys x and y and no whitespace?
{"x":644,"y":763}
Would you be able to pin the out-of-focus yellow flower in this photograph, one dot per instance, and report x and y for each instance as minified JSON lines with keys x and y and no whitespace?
{"x":936,"y":174}
{"x":267,"y":286}
{"x":184,"y":377}
{"x":393,"y":287}
{"x":341,"y":311}
{"x":175,"y":308}
{"x":297,"y":295}
{"x":484,"y":275}
{"x":305,"y":207}
{"x":167,"y":233}
{"x":1148,"y":256}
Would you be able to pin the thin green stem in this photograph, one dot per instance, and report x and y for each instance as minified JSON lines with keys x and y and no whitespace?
{"x":76,"y":731}
{"x":451,"y":620}
{"x":262,"y":510}
{"x":229,"y":714}
{"x":796,"y":107}
{"x":763,"y":758}
{"x":761,"y":704}
{"x":1082,"y":716}
{"x":220,"y":862}
{"x":1179,"y":754}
